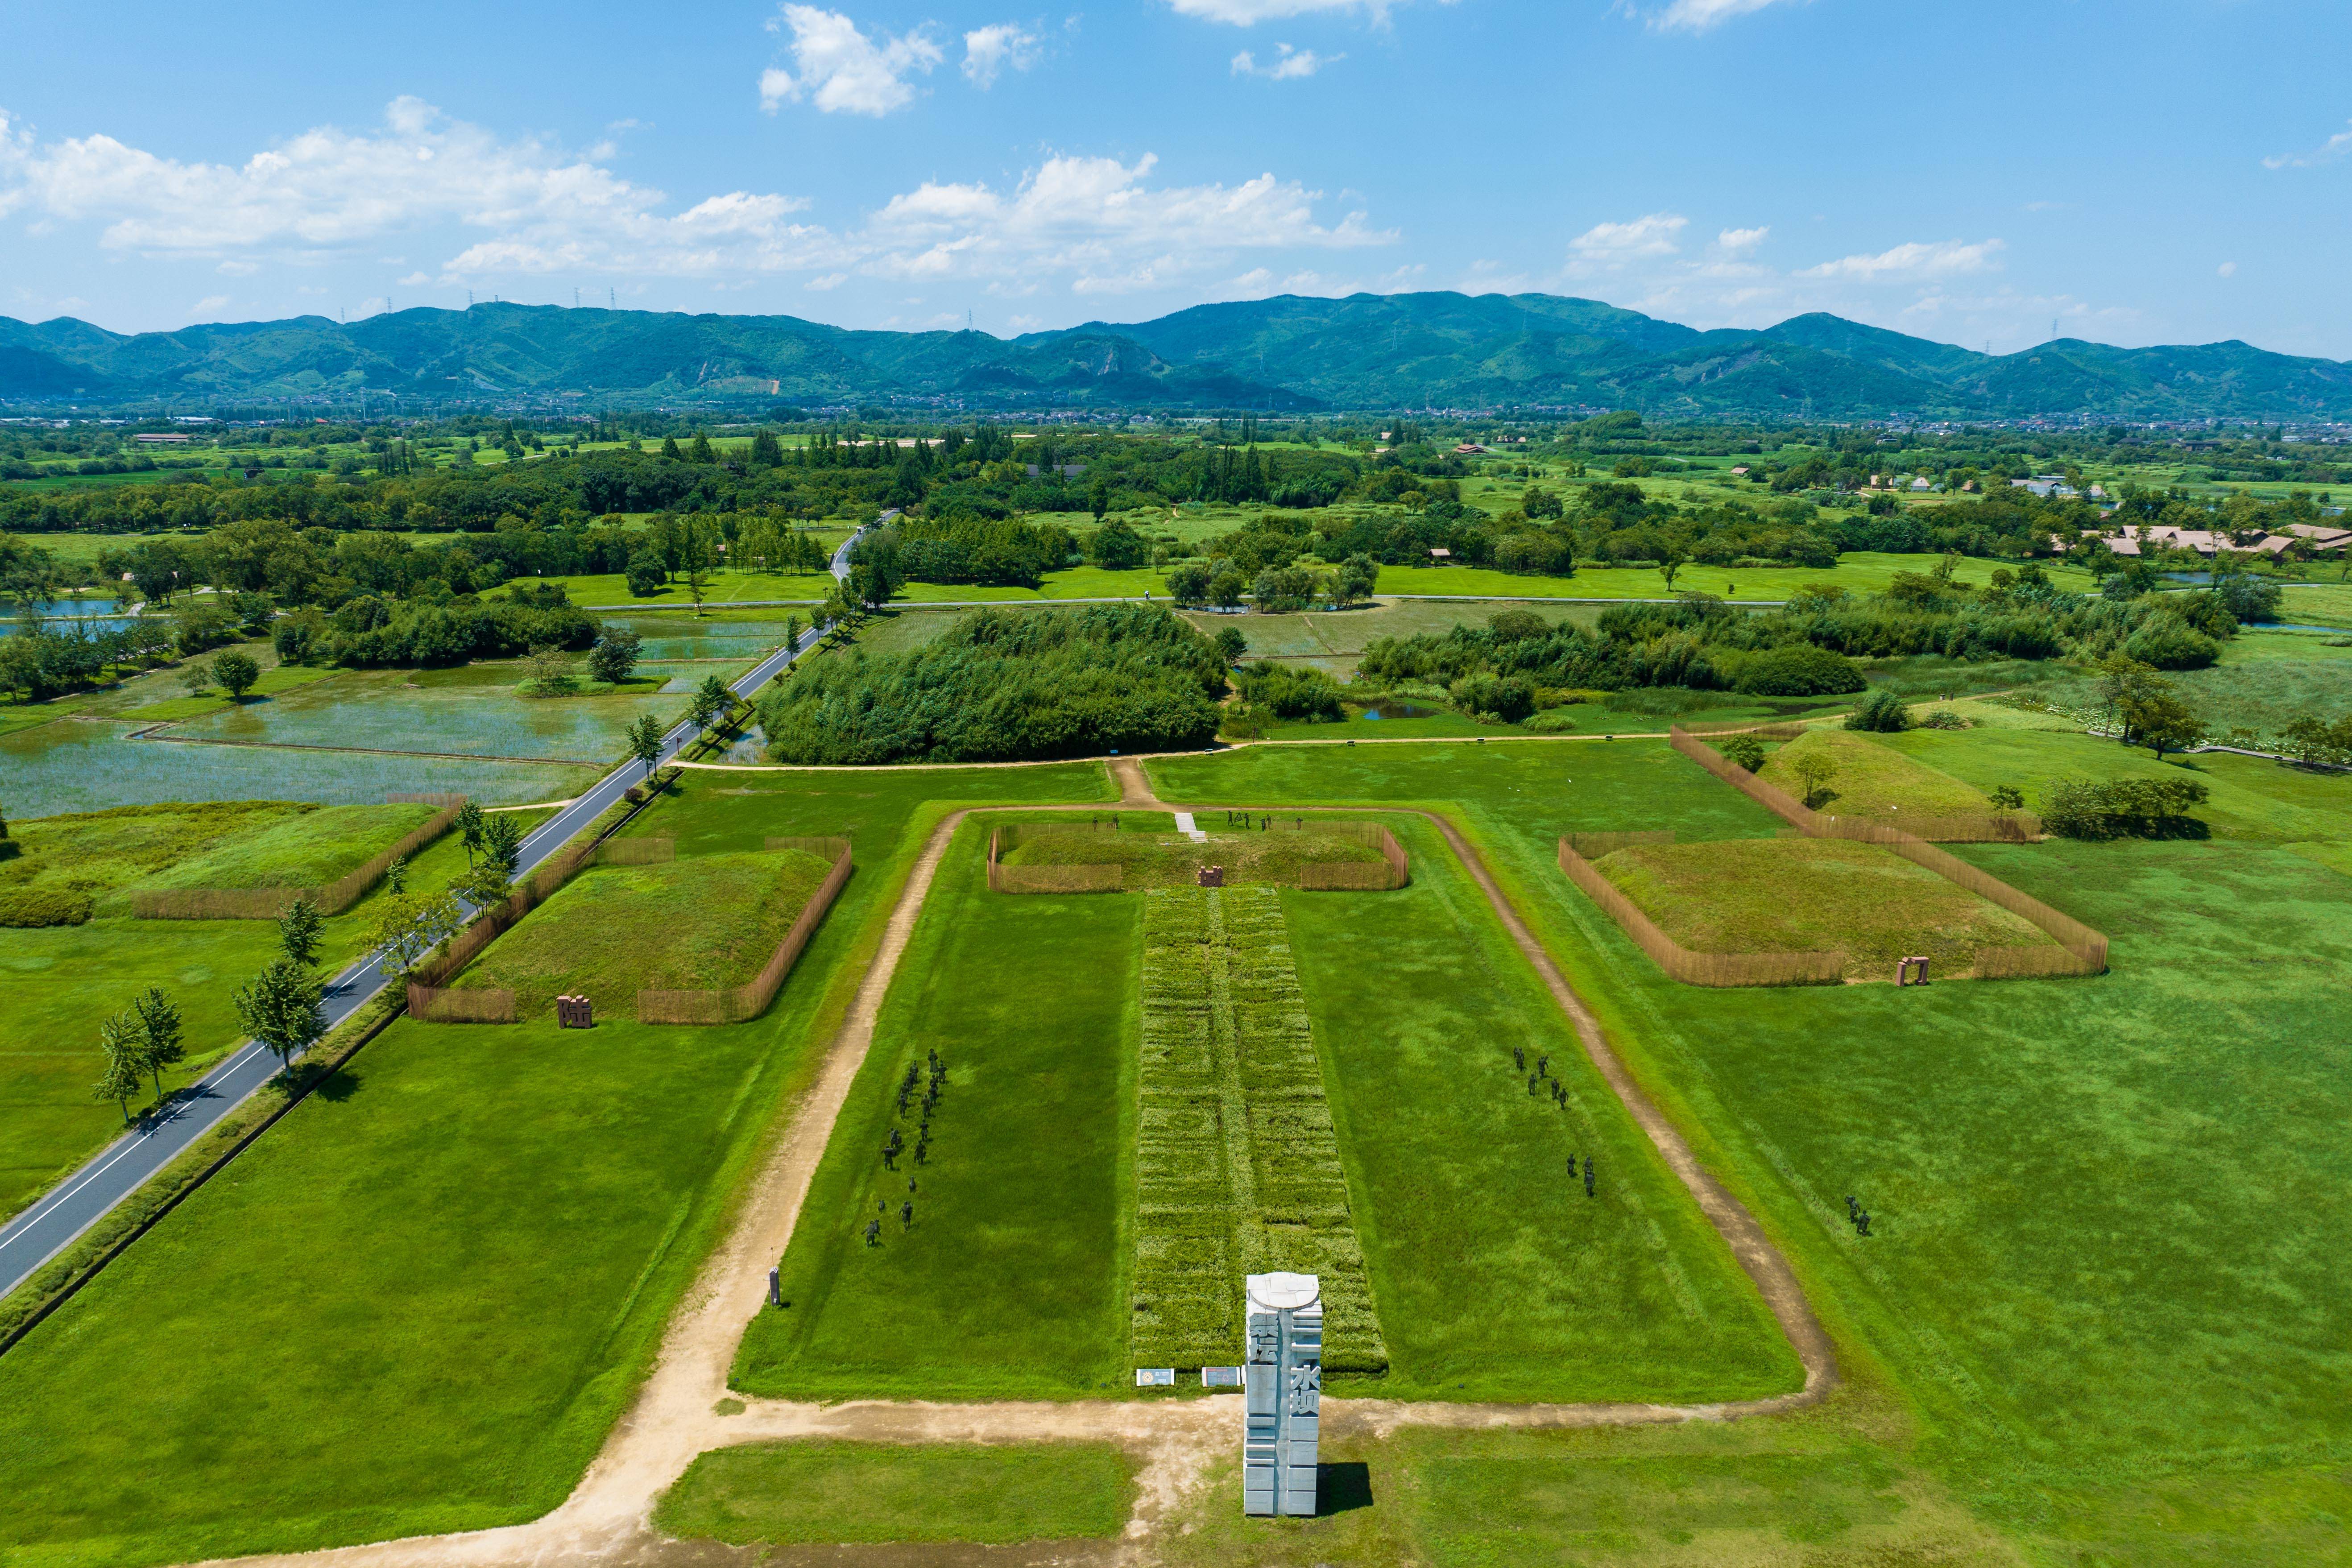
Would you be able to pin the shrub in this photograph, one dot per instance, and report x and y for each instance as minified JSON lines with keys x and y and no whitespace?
{"x":43,"y":907}
{"x":1291,"y":692}
{"x":2123,"y":808}
{"x":1507,"y":698}
{"x":645,"y":574}
{"x":1881,"y":712}
{"x":1798,"y":669}
{"x":2169,"y":643}
{"x":1745,"y":750}
{"x":1944,"y":719}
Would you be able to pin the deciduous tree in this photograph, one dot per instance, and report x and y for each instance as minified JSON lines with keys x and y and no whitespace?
{"x":282,"y":1008}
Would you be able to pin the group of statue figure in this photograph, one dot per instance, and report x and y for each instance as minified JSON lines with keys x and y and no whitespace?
{"x":1541,"y":1081}
{"x":894,"y":1144}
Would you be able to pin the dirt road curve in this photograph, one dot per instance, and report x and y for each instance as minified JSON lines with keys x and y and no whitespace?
{"x":607,"y":1519}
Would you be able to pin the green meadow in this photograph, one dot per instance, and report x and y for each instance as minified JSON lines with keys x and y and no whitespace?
{"x":449,"y":1267}
{"x":818,"y":1493}
{"x":2095,"y":1319}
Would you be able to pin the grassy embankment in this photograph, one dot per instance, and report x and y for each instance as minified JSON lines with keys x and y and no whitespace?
{"x":696,"y":924}
{"x":2095,"y":1321}
{"x":1813,"y":895}
{"x":448,"y":1267}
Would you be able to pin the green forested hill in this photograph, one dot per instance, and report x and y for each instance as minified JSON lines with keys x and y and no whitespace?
{"x":1368,"y":350}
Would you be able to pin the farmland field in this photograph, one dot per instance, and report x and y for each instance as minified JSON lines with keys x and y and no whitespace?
{"x":532,"y":1200}
{"x":80,"y":766}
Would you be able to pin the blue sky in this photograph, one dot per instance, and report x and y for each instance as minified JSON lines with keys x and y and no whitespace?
{"x":2163,"y":171}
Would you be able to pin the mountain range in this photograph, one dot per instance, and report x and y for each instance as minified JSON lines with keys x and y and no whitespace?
{"x":1287,"y":354}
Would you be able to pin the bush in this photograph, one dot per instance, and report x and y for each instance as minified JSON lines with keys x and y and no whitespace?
{"x":1745,"y":750}
{"x":1880,"y":711}
{"x":1798,"y":669}
{"x":1944,"y":719}
{"x":2169,"y":642}
{"x":646,"y":576}
{"x":1507,"y":698}
{"x":22,"y":907}
{"x":1291,"y":692}
{"x":2123,"y":808}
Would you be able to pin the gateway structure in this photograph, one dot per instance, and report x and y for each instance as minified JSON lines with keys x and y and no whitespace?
{"x":1283,"y":1391}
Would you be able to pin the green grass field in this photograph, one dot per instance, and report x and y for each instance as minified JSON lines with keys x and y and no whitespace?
{"x":1012,"y":1282}
{"x":1168,"y":859}
{"x":2264,"y":682}
{"x":447,"y":1269}
{"x":1497,"y":1278}
{"x":816,"y":1493}
{"x":56,"y":984}
{"x":699,"y":924}
{"x":1813,"y":895}
{"x":1631,"y":1297}
{"x":305,"y":850}
{"x":610,"y":590}
{"x":2096,"y":1309}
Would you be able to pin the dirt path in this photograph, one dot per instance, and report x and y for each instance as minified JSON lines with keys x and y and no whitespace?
{"x":607,"y":1519}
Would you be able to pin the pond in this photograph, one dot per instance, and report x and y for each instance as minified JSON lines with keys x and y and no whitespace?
{"x":97,"y":615}
{"x":1404,"y":711}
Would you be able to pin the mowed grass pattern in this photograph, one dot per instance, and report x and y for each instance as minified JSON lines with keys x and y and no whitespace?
{"x":820,"y":1493}
{"x":702,"y":923}
{"x":1237,"y":1165}
{"x":1813,"y":895}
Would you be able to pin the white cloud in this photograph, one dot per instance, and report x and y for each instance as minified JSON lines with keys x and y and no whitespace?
{"x":208,"y":304}
{"x":1940,"y":258}
{"x":2227,"y":270}
{"x":1740,"y":241}
{"x":327,"y":192}
{"x":828,"y":281}
{"x":1288,"y":65}
{"x":1614,"y":244}
{"x":841,"y":70}
{"x":2334,"y":147}
{"x":1248,"y":13}
{"x":990,"y":50}
{"x":1700,"y":15}
{"x":1100,"y":221}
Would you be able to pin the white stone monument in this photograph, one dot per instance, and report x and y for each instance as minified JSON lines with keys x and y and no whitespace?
{"x":1283,"y":1394}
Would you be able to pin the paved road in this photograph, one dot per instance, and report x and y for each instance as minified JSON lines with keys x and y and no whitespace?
{"x":82,"y":1199}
